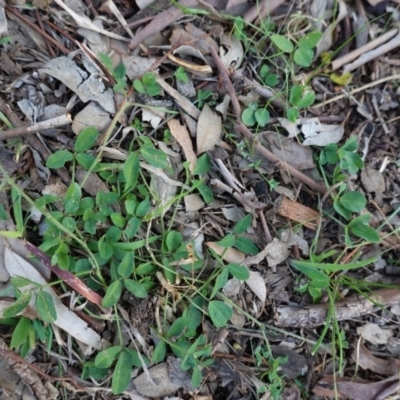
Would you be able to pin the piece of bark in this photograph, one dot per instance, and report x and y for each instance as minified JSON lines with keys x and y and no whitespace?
{"x":7,"y":161}
{"x":297,"y":212}
{"x":315,"y":315}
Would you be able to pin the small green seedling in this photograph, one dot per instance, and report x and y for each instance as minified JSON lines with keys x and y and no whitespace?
{"x":268,"y":78}
{"x":300,"y":97}
{"x":147,"y":85}
{"x":253,"y":115}
{"x":181,"y":75}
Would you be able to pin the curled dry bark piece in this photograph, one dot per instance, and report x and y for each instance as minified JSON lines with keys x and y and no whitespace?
{"x":352,"y":307}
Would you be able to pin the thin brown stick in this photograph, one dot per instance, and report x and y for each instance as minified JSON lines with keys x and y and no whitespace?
{"x":336,"y":64}
{"x":48,"y":45}
{"x":350,"y":308}
{"x":39,"y":126}
{"x":260,"y":11}
{"x":36,"y":28}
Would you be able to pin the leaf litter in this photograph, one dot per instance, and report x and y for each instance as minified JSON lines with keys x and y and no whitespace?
{"x":234,"y":184}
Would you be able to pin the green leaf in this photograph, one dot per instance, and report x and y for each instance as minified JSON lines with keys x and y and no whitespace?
{"x":329,"y":267}
{"x":340,"y":209}
{"x":353,"y":201}
{"x":365,"y":232}
{"x":307,"y":100}
{"x":132,"y":227}
{"x":139,"y":86}
{"x":86,"y":139}
{"x":122,"y":373}
{"x":120,"y":72}
{"x":136,"y":288}
{"x":135,"y":358}
{"x":197,"y":377}
{"x":173,"y":240}
{"x":219,"y":313}
{"x":131,"y":170}
{"x":127,"y":265}
{"x":59,"y":158}
{"x":112,"y":295}
{"x":271,"y":80}
{"x":20,"y":281}
{"x":106,"y":60}
{"x":205,"y":191}
{"x":203,"y":165}
{"x":69,"y":223}
{"x":282,"y":43}
{"x":178,"y":326}
{"x":20,"y":333}
{"x":105,"y":358}
{"x":153,"y":90}
{"x":243,"y":224}
{"x":220,"y":282}
{"x":240,"y":272}
{"x":155,"y":157}
{"x":143,"y":208}
{"x":159,"y":352}
{"x":118,"y":220}
{"x":292,"y":114}
{"x":86,"y":160}
{"x":248,"y":117}
{"x":18,"y":306}
{"x":228,"y":241}
{"x":3,"y":214}
{"x":113,"y":234}
{"x":303,"y":57}
{"x":310,"y":40}
{"x":264,"y":71}
{"x":246,"y":245}
{"x":105,"y":249}
{"x":149,"y":79}
{"x":262,"y":116}
{"x":45,"y":307}
{"x":360,"y":220}
{"x":321,"y":279}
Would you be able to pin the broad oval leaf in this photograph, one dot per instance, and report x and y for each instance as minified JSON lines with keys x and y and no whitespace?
{"x":243,"y":224}
{"x":136,"y":288}
{"x":219,"y":313}
{"x":282,"y":43}
{"x":86,"y":139}
{"x":353,"y":201}
{"x":112,"y":295}
{"x":173,"y":240}
{"x":303,"y":57}
{"x":246,"y":245}
{"x":59,"y":158}
{"x":126,"y":266}
{"x":178,"y":327}
{"x":365,"y":232}
{"x":105,"y":358}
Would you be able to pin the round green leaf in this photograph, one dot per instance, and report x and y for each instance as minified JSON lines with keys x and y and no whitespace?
{"x":307,"y":100}
{"x":219,"y":313}
{"x":59,"y":158}
{"x":282,"y":43}
{"x":112,"y":295}
{"x":86,"y":139}
{"x":248,"y":117}
{"x":173,"y":240}
{"x":353,"y":201}
{"x":262,"y":117}
{"x":303,"y":57}
{"x":292,"y":114}
{"x":271,"y":79}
